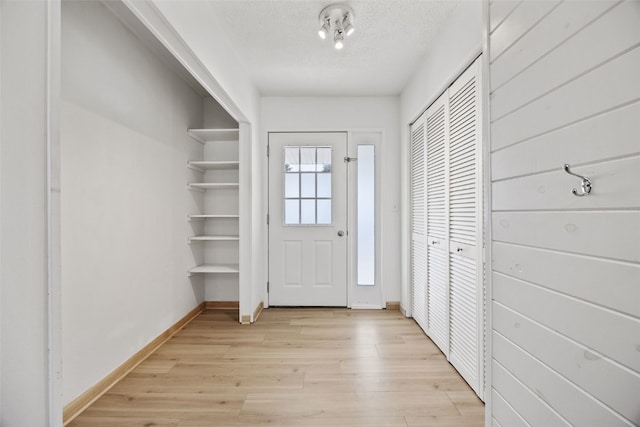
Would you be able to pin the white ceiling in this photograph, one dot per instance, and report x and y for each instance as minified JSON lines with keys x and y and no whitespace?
{"x":277,"y":41}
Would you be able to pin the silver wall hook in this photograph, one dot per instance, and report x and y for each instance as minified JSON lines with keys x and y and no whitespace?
{"x":585,"y":185}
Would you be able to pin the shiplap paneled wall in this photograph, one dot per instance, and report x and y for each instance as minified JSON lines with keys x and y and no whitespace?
{"x":565,"y":88}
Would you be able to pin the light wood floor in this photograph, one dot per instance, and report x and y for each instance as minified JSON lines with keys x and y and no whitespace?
{"x":294,"y":367}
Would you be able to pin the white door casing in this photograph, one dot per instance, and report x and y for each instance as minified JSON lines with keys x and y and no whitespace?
{"x":307,"y":250}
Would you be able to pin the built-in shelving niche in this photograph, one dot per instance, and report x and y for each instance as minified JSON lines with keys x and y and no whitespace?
{"x":216,"y":226}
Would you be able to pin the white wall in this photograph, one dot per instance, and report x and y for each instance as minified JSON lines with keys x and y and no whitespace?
{"x":24,"y":320}
{"x":456,"y":46}
{"x":196,"y":25}
{"x":350,"y":113}
{"x":565,"y":269}
{"x":215,"y":117}
{"x":124,"y":200}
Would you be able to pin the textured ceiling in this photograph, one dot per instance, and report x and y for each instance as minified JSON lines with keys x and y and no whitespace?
{"x":277,"y":41}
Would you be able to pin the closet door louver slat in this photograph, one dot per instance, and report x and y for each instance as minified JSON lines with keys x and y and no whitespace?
{"x":463,"y":227}
{"x":437,"y":227}
{"x":418,"y":247}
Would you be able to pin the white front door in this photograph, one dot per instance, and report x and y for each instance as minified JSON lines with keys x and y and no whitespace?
{"x":308,"y":219}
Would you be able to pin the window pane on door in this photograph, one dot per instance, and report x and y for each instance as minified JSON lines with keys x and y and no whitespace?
{"x":307,"y":185}
{"x":324,"y":159}
{"x":308,"y":159}
{"x":291,"y":185}
{"x":308,"y":211}
{"x":324,"y":211}
{"x":292,"y":212}
{"x":324,"y":185}
{"x":292,"y":159}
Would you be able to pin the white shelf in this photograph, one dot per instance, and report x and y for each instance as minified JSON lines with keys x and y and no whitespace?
{"x":220,"y":160}
{"x":198,"y":217}
{"x":212,"y":238}
{"x":218,"y":165}
{"x":215,"y":268}
{"x":212,"y":185}
{"x":204,"y":135}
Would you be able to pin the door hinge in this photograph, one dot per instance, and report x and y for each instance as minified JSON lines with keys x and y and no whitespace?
{"x":267,"y":286}
{"x":267,"y":219}
{"x":350,"y":159}
{"x":268,"y":150}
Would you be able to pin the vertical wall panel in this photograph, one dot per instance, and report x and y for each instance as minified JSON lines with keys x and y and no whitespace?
{"x":565,"y":317}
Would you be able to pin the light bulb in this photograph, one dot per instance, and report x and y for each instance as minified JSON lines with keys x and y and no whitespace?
{"x":338,"y":40}
{"x":323,"y":32}
{"x":349,"y":29}
{"x":348,"y":26}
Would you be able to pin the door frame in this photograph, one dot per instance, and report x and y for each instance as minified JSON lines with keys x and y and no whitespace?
{"x":351,"y":218}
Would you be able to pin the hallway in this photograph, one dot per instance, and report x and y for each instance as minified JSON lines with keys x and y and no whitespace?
{"x":293,"y":367}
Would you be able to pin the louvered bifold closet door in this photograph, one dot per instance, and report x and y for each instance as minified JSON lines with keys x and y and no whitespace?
{"x":465,"y":308}
{"x":418,"y":231}
{"x":437,"y":224}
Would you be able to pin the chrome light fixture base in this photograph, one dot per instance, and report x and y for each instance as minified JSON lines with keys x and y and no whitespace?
{"x":336,"y":20}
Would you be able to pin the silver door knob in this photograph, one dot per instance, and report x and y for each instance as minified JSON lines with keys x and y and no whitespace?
{"x":340,"y":233}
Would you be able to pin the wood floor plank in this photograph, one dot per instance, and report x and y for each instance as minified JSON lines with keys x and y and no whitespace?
{"x":384,"y":382}
{"x":294,"y":367}
{"x":156,"y":366}
{"x":129,"y":421}
{"x":248,"y":421}
{"x":329,"y":404}
{"x":445,"y":421}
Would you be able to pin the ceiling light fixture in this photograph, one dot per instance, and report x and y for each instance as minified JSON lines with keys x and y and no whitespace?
{"x":337,"y":19}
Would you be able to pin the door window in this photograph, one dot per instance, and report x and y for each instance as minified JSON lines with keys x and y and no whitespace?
{"x":307,"y":185}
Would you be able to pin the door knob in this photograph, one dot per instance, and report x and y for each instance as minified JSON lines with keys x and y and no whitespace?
{"x":340,"y":233}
